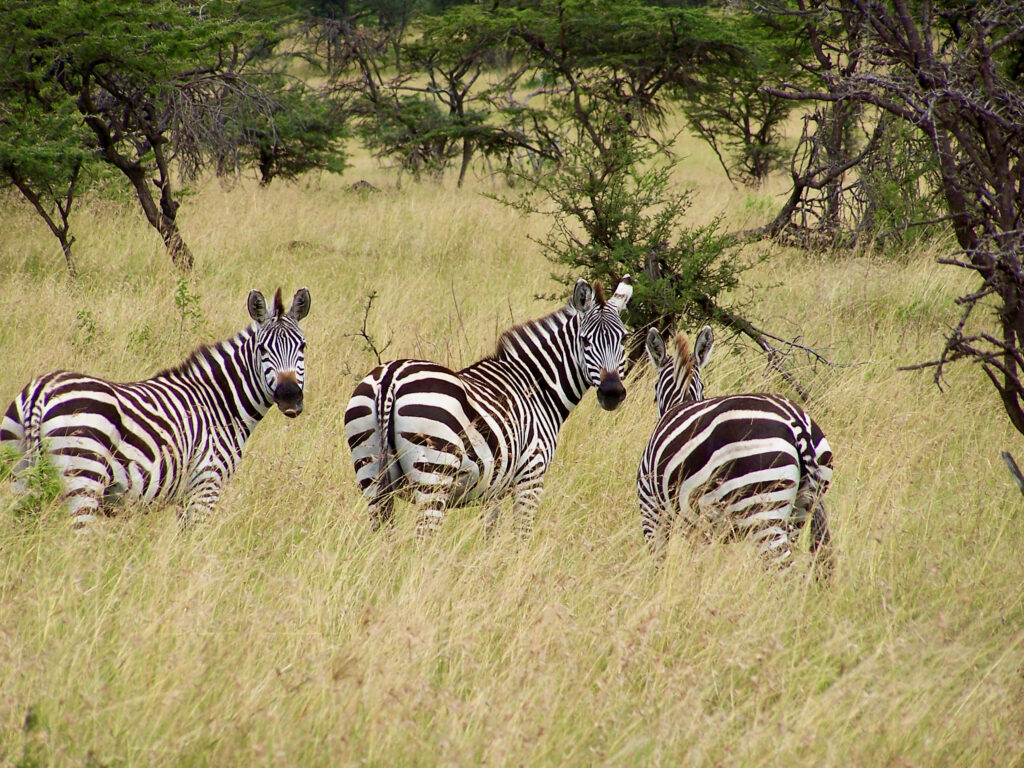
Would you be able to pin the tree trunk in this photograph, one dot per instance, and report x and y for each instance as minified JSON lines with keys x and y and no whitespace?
{"x":162,"y":217}
{"x":467,"y":154}
{"x":59,"y":231}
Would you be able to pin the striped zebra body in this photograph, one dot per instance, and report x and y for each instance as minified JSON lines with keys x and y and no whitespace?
{"x":177,"y":435}
{"x":446,"y":438}
{"x":754,"y":464}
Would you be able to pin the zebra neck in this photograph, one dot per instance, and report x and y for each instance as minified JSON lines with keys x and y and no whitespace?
{"x":543,"y":354}
{"x":225,"y":379}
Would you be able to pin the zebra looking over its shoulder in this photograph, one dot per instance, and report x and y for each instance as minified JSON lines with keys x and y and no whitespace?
{"x":447,"y":437}
{"x":177,"y":435}
{"x":754,"y":464}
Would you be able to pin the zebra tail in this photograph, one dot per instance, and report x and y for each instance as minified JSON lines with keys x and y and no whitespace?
{"x":384,"y":406}
{"x":821,"y":544}
{"x":21,"y":428}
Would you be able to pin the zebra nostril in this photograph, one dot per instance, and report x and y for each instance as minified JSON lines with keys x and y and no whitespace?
{"x":290,"y":409}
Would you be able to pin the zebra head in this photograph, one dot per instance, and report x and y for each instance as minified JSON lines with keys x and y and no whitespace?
{"x":679,"y":380}
{"x":280,"y":348}
{"x":601,"y":356}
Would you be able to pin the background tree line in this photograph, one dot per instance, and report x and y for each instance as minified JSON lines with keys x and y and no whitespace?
{"x":910,"y":113}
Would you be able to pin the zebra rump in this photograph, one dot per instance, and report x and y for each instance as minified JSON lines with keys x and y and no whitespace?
{"x":753,"y":464}
{"x":176,"y":435}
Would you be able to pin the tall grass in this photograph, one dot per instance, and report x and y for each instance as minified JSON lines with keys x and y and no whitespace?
{"x":284,"y":633}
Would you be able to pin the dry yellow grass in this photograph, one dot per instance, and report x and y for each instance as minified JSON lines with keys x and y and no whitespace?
{"x":284,"y":633}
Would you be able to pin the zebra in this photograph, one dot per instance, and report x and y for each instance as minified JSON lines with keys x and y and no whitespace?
{"x":446,"y":438}
{"x":753,"y":463}
{"x":178,"y":435}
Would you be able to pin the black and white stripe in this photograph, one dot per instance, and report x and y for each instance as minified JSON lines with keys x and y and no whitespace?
{"x":752,"y":464}
{"x":446,"y":438}
{"x":177,"y":435}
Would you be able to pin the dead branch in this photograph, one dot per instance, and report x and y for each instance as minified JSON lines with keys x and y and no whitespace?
{"x":369,"y":342}
{"x":1015,"y":472}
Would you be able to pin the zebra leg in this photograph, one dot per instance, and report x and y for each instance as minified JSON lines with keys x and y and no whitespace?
{"x":201,"y":496}
{"x":809,"y":504}
{"x":378,"y":476}
{"x":431,"y":502}
{"x":773,"y":532}
{"x":83,"y":480}
{"x":657,"y":544}
{"x":13,"y":440}
{"x":83,"y":474}
{"x":524,"y":505}
{"x":382,"y":510}
{"x":655,"y":529}
{"x":489,"y":513}
{"x":821,"y":540}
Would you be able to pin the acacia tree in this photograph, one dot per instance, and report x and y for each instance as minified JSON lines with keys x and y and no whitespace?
{"x":429,"y":101}
{"x":953,"y":73}
{"x":726,"y":106}
{"x":37,"y":160}
{"x":455,"y":51}
{"x":159,"y":87}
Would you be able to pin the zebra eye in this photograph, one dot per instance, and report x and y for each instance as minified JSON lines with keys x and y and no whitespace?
{"x":302,"y":347}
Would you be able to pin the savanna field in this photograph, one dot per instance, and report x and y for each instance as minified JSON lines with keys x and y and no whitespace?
{"x":283,"y":632}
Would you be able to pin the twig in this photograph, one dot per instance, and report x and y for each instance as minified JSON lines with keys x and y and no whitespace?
{"x":368,"y":340}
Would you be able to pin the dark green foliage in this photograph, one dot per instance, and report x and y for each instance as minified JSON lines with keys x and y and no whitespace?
{"x":629,"y":221}
{"x":726,"y":105}
{"x":415,"y":132}
{"x":607,"y":70}
{"x":295,"y":131}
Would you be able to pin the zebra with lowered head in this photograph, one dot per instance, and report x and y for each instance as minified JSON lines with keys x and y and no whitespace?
{"x":446,"y":438}
{"x":753,"y":464}
{"x":177,"y":435}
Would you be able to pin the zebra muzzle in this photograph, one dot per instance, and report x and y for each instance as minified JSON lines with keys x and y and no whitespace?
{"x":610,"y":392}
{"x":288,"y":395}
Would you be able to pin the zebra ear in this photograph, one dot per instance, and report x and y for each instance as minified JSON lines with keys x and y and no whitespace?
{"x":582,"y":296}
{"x":622,"y":294}
{"x":300,"y":305}
{"x":257,"y":307}
{"x":702,"y":346}
{"x":656,"y":349}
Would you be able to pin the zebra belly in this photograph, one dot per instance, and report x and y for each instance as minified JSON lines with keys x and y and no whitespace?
{"x":144,"y":481}
{"x":86,"y":444}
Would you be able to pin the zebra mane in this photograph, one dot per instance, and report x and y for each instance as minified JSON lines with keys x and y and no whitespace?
{"x":517,"y":330}
{"x":599,"y":294}
{"x":199,"y":353}
{"x":202,"y":352}
{"x":683,"y":363}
